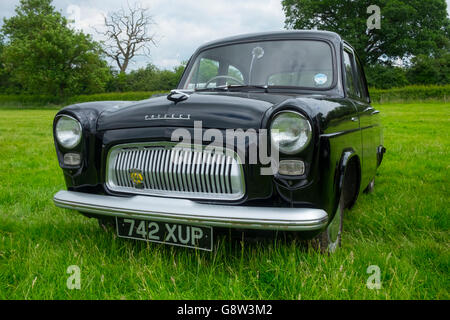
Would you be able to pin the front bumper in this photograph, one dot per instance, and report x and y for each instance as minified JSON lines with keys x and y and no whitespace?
{"x":190,"y":212}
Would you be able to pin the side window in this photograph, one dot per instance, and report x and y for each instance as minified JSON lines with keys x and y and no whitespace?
{"x":361,"y":82}
{"x":350,"y":83}
{"x":235,"y":73}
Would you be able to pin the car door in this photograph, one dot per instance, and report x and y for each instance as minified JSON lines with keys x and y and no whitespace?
{"x":369,"y":120}
{"x":351,"y":119}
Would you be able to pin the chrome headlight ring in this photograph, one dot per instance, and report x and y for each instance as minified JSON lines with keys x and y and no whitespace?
{"x":290,"y":131}
{"x":68,"y":132}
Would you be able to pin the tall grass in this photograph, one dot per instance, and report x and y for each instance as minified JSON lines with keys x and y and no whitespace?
{"x":402,"y":227}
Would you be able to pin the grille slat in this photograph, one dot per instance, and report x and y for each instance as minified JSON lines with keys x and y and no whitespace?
{"x":154,"y":171}
{"x":173,"y":171}
{"x":122,"y":169}
{"x":151,"y":169}
{"x":222,"y":173}
{"x":206,"y":172}
{"x":160,"y":170}
{"x":126,"y":165}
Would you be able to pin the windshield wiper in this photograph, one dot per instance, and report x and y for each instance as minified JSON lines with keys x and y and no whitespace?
{"x":219,"y":88}
{"x":248,"y":86}
{"x":235,"y":86}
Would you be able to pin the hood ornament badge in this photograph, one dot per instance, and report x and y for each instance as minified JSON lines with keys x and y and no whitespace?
{"x":177,"y":96}
{"x":168,"y":117}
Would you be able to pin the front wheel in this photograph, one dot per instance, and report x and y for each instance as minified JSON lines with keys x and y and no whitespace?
{"x":330,"y":240}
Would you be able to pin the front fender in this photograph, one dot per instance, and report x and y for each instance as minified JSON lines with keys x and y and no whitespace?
{"x":87,"y":114}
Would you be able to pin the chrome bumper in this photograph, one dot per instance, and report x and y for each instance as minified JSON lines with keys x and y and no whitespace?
{"x":190,"y":212}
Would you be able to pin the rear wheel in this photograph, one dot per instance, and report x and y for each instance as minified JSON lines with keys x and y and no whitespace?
{"x":330,"y":240}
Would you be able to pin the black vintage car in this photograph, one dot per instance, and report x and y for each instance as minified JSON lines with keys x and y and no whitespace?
{"x":268,"y":131}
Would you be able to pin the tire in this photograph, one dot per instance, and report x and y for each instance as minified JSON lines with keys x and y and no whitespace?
{"x":370,"y":186}
{"x":330,"y":239}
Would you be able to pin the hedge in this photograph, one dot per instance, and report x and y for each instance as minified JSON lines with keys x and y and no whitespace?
{"x":408,"y":93}
{"x":27,"y":100}
{"x":411,"y":93}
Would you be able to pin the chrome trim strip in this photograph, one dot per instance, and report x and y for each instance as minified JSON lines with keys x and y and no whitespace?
{"x":191,"y":212}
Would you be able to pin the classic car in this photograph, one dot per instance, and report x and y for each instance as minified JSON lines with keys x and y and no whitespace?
{"x":298,"y":97}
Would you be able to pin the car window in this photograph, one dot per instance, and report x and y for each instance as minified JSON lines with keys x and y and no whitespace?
{"x":293,"y":63}
{"x":306,"y":78}
{"x":350,"y":83}
{"x":235,"y":73}
{"x":361,"y":82}
{"x":206,"y":70}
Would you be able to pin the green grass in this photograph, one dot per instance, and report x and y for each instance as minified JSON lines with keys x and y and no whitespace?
{"x":403,"y":227}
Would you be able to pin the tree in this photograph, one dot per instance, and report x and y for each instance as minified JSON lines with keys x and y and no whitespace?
{"x":149,"y":78}
{"x":45,"y":56}
{"x":429,"y":70}
{"x":408,"y":27}
{"x":128,"y":35}
{"x":5,"y":81}
{"x":383,"y":76}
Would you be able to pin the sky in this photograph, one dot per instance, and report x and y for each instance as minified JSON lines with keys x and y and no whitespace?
{"x":181,"y":25}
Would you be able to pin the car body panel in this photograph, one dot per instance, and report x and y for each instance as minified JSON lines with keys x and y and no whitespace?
{"x":343,"y":127}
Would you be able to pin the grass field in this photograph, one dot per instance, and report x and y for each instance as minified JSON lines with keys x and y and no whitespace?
{"x":403,"y":227}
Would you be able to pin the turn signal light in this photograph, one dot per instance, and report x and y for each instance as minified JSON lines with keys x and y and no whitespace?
{"x":72,"y":159}
{"x":291,"y":167}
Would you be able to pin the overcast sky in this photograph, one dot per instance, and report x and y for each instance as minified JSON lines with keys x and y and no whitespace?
{"x":181,"y":25}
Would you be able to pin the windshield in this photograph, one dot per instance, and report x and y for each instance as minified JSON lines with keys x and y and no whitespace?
{"x":293,"y":63}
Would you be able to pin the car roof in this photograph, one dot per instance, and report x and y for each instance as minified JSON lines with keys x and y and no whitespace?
{"x":275,"y":35}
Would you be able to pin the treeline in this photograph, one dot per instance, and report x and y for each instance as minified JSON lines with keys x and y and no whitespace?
{"x":146,"y":79}
{"x":424,"y":70}
{"x":149,"y":78}
{"x":40,"y":54}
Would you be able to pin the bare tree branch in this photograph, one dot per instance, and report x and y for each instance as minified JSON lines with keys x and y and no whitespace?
{"x":128,"y":34}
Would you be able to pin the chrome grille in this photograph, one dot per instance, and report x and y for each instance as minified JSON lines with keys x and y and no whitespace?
{"x":174,"y":170}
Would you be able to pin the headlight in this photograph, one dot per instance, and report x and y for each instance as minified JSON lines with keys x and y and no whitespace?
{"x":68,"y":132}
{"x":290,"y":131}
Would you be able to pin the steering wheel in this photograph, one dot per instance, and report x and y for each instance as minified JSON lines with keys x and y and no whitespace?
{"x":223,"y":77}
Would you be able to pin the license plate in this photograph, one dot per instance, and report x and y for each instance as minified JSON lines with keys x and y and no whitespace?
{"x":167,"y":233}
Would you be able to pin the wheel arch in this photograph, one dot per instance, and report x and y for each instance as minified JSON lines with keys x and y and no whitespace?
{"x":348,"y":178}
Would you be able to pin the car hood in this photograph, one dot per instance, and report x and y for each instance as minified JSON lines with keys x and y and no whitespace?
{"x":227,"y":110}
